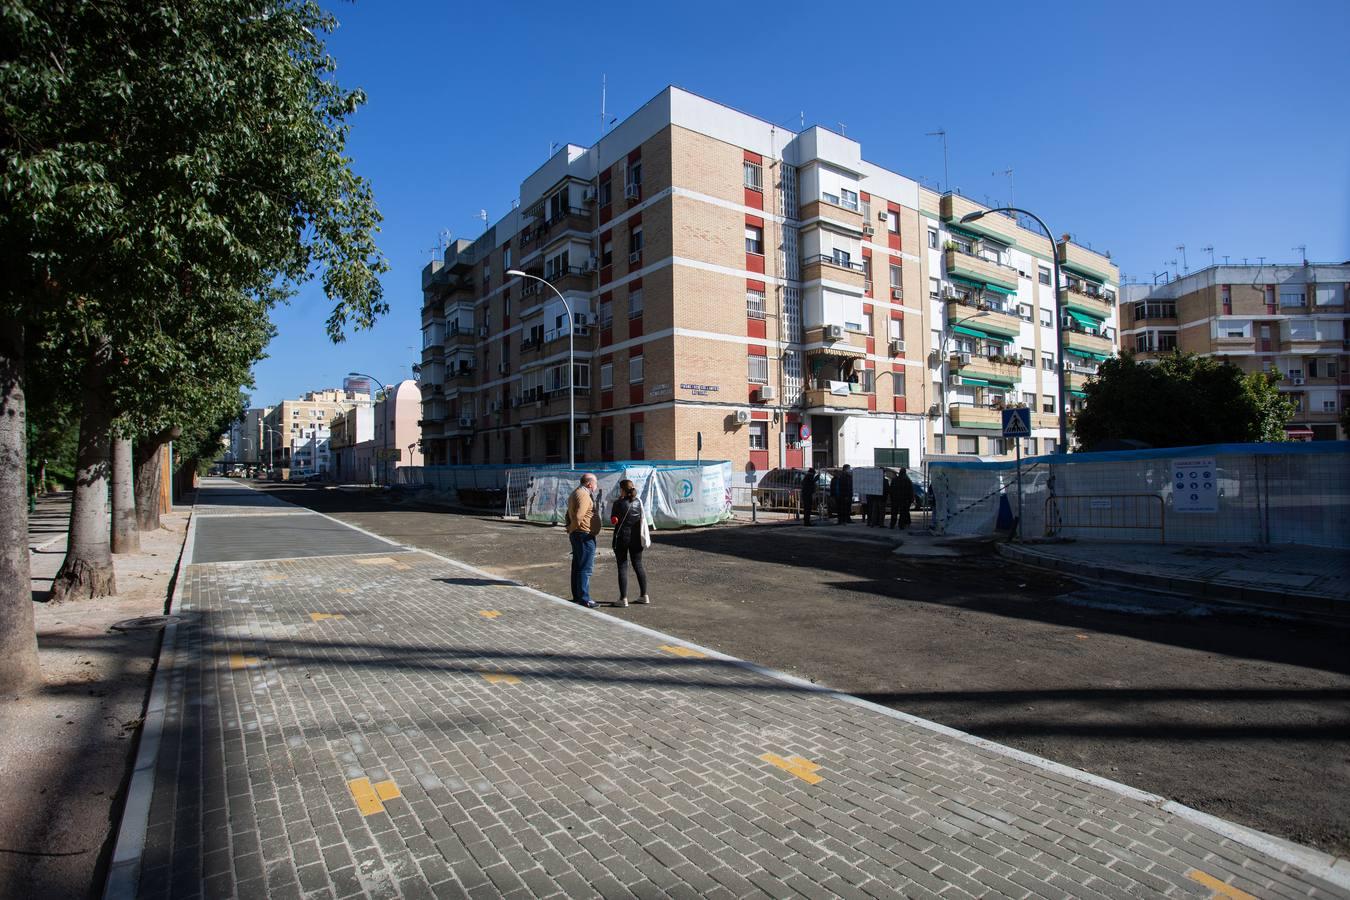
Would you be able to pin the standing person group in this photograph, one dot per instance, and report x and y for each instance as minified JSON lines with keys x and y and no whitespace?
{"x":809,"y":483}
{"x":631,"y":537}
{"x":901,"y":492}
{"x":842,"y":489}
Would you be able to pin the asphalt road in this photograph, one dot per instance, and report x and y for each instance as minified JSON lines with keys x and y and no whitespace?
{"x":1244,"y":718}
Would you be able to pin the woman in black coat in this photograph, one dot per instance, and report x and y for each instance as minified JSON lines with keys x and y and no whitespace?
{"x":626,"y":517}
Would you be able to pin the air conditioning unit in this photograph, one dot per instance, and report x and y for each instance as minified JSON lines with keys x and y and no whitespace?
{"x":897,"y":347}
{"x":768,"y":392}
{"x":588,"y":195}
{"x":934,"y":411}
{"x":482,"y":331}
{"x":868,"y":229}
{"x":897,"y":293}
{"x":466,"y":421}
{"x":583,"y":428}
{"x":881,"y":216}
{"x":635,"y":256}
{"x":954,"y":380}
{"x":1297,"y":379}
{"x":588,"y":265}
{"x":742,"y":416}
{"x":963,"y":358}
{"x":834,"y":332}
{"x":632,"y":191}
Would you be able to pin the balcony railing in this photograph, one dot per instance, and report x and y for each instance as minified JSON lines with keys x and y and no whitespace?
{"x":839,"y":201}
{"x":833,"y":261}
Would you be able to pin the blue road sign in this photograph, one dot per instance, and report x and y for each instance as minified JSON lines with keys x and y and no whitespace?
{"x":1016,"y":423}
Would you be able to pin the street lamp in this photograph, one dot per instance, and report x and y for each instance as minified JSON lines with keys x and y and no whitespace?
{"x":385,"y":438}
{"x":946,"y":339}
{"x":272,"y":448}
{"x":1059,"y":315}
{"x":571,"y":368}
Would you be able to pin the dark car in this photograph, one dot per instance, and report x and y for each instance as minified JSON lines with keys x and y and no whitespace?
{"x":779,"y":489}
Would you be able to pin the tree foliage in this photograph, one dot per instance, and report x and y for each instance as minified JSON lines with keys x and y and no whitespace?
{"x":1180,"y":400}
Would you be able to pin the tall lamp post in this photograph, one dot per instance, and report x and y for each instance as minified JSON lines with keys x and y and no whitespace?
{"x":272,"y":448}
{"x":946,"y":340}
{"x":571,"y":367}
{"x":385,"y":439}
{"x":1059,"y":313}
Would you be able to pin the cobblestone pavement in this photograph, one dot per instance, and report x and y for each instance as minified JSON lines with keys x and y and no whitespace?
{"x":394,"y":724}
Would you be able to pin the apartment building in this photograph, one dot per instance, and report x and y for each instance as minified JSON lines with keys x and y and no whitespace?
{"x":296,"y":433}
{"x":770,"y":291}
{"x":1262,"y":318}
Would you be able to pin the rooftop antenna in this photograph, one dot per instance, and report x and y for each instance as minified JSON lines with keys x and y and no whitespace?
{"x":946,"y":173}
{"x":1181,"y":248}
{"x":843,"y":129}
{"x":482,"y":214}
{"x":605,"y":121}
{"x":1302,"y":252}
{"x":801,"y":116}
{"x":1225,"y":260}
{"x":1262,"y":259}
{"x":552,"y":146}
{"x":433,"y":251}
{"x":1012,"y":188}
{"x":446,"y":236}
{"x":1210,"y":251}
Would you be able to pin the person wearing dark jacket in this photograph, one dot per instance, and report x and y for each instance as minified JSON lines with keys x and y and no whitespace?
{"x":626,"y":517}
{"x":808,"y":495}
{"x":844,"y":502}
{"x":902,"y":498}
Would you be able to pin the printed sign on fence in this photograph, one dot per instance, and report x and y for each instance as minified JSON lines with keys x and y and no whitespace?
{"x":1195,"y":485}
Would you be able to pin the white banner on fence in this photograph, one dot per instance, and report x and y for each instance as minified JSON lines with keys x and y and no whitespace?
{"x":674,"y":498}
{"x":1195,"y":485}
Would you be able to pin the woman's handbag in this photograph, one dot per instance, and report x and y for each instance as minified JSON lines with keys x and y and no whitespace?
{"x":644,"y":532}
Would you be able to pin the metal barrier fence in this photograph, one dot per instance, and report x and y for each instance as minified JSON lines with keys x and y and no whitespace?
{"x":1296,"y":493}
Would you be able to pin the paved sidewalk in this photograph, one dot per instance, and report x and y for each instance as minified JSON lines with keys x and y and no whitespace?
{"x":1299,"y":579}
{"x":391,"y":723}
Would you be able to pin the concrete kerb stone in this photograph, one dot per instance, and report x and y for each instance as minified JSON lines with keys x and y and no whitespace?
{"x":1315,"y":862}
{"x":1218,"y":592}
{"x":124,"y":870}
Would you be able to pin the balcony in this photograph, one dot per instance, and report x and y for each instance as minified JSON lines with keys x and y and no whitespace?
{"x":997,"y":225}
{"x":1085,"y":262}
{"x":572,"y":278}
{"x":1044,"y":420}
{"x":1000,"y":369}
{"x":831,"y":207}
{"x":835,"y":395}
{"x":965,"y":415}
{"x":841,"y":270}
{"x":1076,"y":378}
{"x":977,"y":268}
{"x":572,"y":219}
{"x":1092,"y":303}
{"x":1077,"y":339}
{"x":538,"y":403}
{"x":459,"y":337}
{"x":993,"y":320}
{"x":851,"y":344}
{"x":1155,"y":313}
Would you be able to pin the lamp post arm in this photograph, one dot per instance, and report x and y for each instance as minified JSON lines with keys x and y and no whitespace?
{"x":571,"y":366}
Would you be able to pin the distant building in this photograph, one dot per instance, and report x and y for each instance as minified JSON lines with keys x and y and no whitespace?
{"x":358,"y":384}
{"x":1286,"y":319}
{"x":297,"y":431}
{"x":350,"y":435}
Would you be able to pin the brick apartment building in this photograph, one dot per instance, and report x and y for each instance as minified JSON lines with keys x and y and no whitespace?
{"x":1285,"y":319}
{"x":296,"y":433}
{"x":733,"y":279}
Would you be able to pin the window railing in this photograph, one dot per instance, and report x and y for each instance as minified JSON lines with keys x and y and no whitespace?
{"x":833,"y":261}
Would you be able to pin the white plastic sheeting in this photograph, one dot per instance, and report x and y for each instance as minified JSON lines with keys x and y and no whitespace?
{"x":677,"y":497}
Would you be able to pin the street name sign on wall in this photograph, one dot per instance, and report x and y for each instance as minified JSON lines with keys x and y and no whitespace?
{"x":1195,"y":485}
{"x":1016,"y":423}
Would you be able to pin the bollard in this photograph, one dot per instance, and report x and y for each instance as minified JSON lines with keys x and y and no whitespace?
{"x":754,"y":510}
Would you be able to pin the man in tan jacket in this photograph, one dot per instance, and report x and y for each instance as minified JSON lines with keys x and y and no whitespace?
{"x":583,"y":524}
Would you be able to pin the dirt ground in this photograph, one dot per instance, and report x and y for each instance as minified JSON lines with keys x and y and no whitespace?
{"x":1242,"y":717}
{"x":65,"y":751}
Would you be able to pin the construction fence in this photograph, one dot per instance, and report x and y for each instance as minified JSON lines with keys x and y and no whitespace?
{"x":1284,"y":493}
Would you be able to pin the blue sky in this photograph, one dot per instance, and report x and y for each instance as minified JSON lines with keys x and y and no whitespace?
{"x":1136,"y":126}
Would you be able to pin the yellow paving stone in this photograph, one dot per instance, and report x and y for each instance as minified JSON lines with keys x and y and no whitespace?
{"x":376,"y":561}
{"x":489,"y":613}
{"x":795,"y":765}
{"x":1220,"y":888}
{"x":366,"y":797}
{"x":499,"y":678}
{"x":240,"y":661}
{"x":320,"y":617}
{"x":388,"y":790}
{"x":687,"y":652}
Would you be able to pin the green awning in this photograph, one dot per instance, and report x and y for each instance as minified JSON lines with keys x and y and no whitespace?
{"x":1078,"y":394}
{"x":1005,"y":379}
{"x":1084,"y":319}
{"x":1086,"y":354}
{"x":968,"y":331}
{"x":977,"y":285}
{"x":965,"y":232}
{"x":1084,"y":272}
{"x":978,"y":382}
{"x":1000,"y":289}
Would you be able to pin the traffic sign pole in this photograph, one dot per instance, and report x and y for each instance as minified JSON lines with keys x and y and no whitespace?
{"x":1017,"y":529}
{"x":1017,"y":425}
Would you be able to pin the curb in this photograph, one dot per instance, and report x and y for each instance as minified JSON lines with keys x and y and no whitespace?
{"x":124,"y":869}
{"x":1230,"y":594}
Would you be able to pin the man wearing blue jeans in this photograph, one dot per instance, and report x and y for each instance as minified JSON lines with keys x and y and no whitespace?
{"x":582,"y":527}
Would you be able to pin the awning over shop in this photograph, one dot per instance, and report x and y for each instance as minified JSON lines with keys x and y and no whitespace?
{"x":1086,"y":354}
{"x":1298,"y":432}
{"x":1083,"y":319}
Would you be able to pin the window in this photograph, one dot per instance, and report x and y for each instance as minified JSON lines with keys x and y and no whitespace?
{"x":893,"y":221}
{"x":639,"y":437}
{"x":897,"y":277}
{"x":895,"y":329}
{"x":1047,"y":403}
{"x":506,"y":258}
{"x":1226,"y":295}
{"x":1292,"y":297}
{"x":607,"y":440}
{"x":967,"y":446}
{"x":932,"y":239}
{"x":934,"y":289}
{"x":848,"y":199}
{"x":635,"y":240}
{"x":1329,"y":406}
{"x":898,"y":384}
{"x":635,"y":174}
{"x":607,"y":252}
{"x":843,"y":258}
{"x":1047,"y":362}
{"x":1032,"y":445}
{"x":867,"y":381}
{"x":754,"y":239}
{"x":606,"y":198}
{"x":1050,"y":445}
{"x":606,"y":376}
{"x":635,"y":303}
{"x":1045,"y":317}
{"x":754,"y":176}
{"x":635,"y":370}
{"x":1029,"y":399}
{"x":759,"y":436}
{"x":939,"y":441}
{"x":758,"y":369}
{"x":869,"y":324}
{"x":999,"y":446}
{"x":1330,"y":294}
{"x":754,"y":303}
{"x":1043,"y":274}
{"x":606,"y":312}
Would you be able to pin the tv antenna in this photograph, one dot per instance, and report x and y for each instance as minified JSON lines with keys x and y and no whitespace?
{"x":605,"y":121}
{"x":1302,"y":252}
{"x":946,"y":173}
{"x":1012,"y":188}
{"x":1210,"y":251}
{"x":1186,"y":269}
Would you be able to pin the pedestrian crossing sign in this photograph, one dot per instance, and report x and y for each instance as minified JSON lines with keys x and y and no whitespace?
{"x":1017,"y":423}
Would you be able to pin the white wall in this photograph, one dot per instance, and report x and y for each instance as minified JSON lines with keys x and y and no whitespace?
{"x":862,"y":434}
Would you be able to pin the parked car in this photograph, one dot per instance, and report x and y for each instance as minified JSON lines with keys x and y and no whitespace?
{"x":779,"y":489}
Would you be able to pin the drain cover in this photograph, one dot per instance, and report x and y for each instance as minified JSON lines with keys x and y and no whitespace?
{"x":143,"y":623}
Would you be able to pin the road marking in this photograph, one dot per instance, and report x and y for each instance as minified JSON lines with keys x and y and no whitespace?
{"x":684,"y":651}
{"x":367,"y":800}
{"x":1220,"y":888}
{"x":795,"y":765}
{"x":382,"y":561}
{"x":489,"y":613}
{"x":240,"y":661}
{"x":499,"y":678}
{"x":319,"y":617}
{"x":387,"y":790}
{"x":274,"y":578}
{"x":346,"y":590}
{"x":1081,"y":637}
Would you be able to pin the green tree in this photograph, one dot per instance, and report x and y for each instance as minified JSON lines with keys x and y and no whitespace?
{"x":1180,"y":400}
{"x":156,"y":158}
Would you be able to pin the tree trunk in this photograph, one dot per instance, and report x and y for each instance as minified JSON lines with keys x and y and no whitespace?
{"x":88,"y":569}
{"x":18,"y":636}
{"x":148,"y":474}
{"x":125,"y":536}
